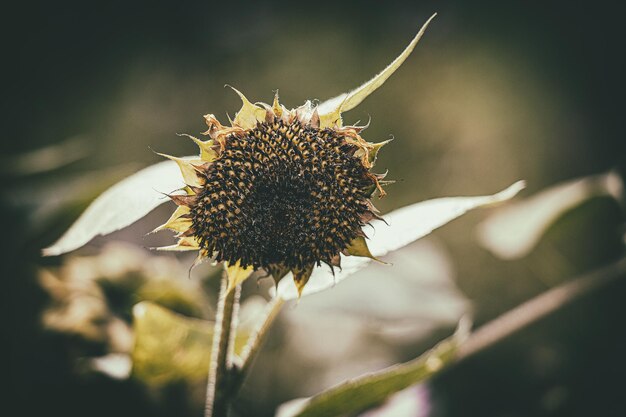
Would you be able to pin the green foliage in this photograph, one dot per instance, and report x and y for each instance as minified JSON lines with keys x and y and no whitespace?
{"x":170,"y":347}
{"x":369,"y":390}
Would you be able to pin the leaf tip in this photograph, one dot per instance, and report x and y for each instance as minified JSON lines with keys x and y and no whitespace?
{"x":51,"y":251}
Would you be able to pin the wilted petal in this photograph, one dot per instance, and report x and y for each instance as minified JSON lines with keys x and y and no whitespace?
{"x":237,"y":274}
{"x":187,"y":169}
{"x":301,"y":277}
{"x":249,"y":114}
{"x":207,"y":153}
{"x":373,"y":153}
{"x":330,"y":110}
{"x":176,"y":221}
{"x":405,"y":225}
{"x":514,"y":231}
{"x":358,"y":247}
{"x":121,"y":205}
{"x":184,"y":244}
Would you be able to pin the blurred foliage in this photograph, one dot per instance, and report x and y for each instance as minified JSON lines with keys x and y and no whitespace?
{"x":497,"y":91}
{"x":172,"y":348}
{"x":358,"y":394}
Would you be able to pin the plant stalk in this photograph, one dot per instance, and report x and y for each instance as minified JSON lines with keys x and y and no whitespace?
{"x":219,"y":387}
{"x":255,"y":341}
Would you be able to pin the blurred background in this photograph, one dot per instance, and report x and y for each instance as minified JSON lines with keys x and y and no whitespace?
{"x":493,"y":93}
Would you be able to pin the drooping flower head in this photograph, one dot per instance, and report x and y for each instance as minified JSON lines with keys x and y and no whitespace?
{"x":281,"y":190}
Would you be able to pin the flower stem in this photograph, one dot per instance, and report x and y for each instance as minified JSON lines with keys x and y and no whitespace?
{"x":255,"y":341}
{"x":219,"y":387}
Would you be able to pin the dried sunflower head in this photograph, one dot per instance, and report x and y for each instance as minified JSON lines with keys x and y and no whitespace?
{"x":281,"y":190}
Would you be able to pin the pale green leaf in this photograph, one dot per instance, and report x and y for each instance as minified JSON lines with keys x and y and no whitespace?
{"x":121,"y":205}
{"x":403,"y":226}
{"x":513,"y":231}
{"x":331,"y":110}
{"x":366,"y":391}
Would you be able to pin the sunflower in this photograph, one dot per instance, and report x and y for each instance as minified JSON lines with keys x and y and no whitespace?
{"x":281,"y":190}
{"x":278,"y":190}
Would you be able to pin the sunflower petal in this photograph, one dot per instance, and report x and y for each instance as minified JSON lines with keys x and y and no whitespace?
{"x":330,"y":110}
{"x":276,"y":107}
{"x":404,"y":226}
{"x":184,"y":244}
{"x":176,"y":222}
{"x":237,"y":274}
{"x":358,"y":247}
{"x":301,"y":277}
{"x":121,"y":205}
{"x":249,"y":114}
{"x":373,"y":151}
{"x":187,"y":170}
{"x":207,"y":153}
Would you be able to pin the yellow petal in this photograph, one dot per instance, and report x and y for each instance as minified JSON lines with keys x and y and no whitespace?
{"x":373,"y":151}
{"x":249,"y":114}
{"x":276,"y":107}
{"x":237,"y":274}
{"x":207,"y":153}
{"x":358,"y":247}
{"x":186,"y":169}
{"x":175,"y":222}
{"x":183,"y":244}
{"x":301,"y":277}
{"x":330,"y":111}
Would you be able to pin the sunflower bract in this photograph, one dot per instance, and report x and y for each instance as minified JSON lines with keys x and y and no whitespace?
{"x":284,"y":195}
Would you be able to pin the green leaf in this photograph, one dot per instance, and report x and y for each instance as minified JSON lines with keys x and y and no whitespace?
{"x":330,"y":110}
{"x":358,"y":394}
{"x":401,"y":227}
{"x":121,"y":205}
{"x":170,"y":347}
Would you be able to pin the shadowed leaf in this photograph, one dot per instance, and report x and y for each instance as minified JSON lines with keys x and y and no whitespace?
{"x":170,"y":347}
{"x":513,"y":231}
{"x":366,"y":391}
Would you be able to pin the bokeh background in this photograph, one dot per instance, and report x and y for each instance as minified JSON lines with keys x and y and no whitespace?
{"x":494,"y":92}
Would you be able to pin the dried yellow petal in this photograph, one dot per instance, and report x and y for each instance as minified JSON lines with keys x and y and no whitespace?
{"x":186,"y":169}
{"x":249,"y":114}
{"x":237,"y":274}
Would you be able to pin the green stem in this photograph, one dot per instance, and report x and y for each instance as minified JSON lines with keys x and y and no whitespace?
{"x":218,"y":388}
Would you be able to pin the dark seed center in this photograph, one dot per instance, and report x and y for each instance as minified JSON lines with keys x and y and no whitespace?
{"x":285,"y":194}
